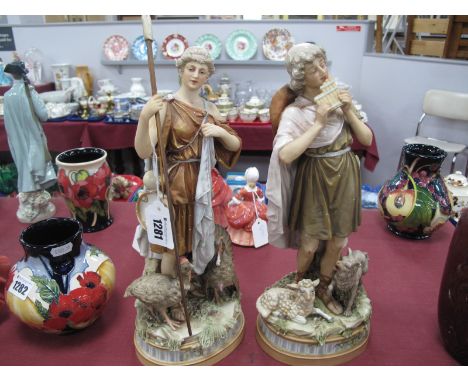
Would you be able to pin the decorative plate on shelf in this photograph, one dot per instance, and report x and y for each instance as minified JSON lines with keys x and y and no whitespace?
{"x":241,"y":45}
{"x":116,"y":48}
{"x":276,"y":43}
{"x":140,"y":50}
{"x":174,"y":45}
{"x":211,"y":43}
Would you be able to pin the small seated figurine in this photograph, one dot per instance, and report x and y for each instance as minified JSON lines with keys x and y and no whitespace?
{"x":242,"y":213}
{"x":24,"y":110}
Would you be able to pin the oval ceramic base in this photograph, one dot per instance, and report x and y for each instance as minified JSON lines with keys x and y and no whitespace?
{"x":151,"y":354}
{"x":300,"y":351}
{"x":408,"y":235}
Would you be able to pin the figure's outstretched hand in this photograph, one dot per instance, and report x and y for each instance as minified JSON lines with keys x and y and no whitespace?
{"x":345,"y":97}
{"x":321,"y":114}
{"x":212,"y":130}
{"x":153,"y":106}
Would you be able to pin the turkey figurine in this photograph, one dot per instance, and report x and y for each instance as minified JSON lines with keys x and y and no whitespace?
{"x":159,"y":292}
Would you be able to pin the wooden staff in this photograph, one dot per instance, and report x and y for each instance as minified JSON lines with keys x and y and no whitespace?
{"x":147,"y":32}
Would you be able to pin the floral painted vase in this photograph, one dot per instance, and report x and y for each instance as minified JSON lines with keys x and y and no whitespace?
{"x":416,"y":201}
{"x":84,"y":179}
{"x":62,"y":284}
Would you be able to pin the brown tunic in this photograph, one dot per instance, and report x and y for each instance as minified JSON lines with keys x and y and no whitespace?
{"x":326,"y":199}
{"x":182,"y":140}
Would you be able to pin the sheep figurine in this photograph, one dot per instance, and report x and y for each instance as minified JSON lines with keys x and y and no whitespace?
{"x":294,"y":303}
{"x":347,"y":278}
{"x":159,"y":292}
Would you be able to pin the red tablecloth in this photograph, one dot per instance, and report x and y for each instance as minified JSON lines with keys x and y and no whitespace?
{"x":66,"y":135}
{"x":402,"y":282}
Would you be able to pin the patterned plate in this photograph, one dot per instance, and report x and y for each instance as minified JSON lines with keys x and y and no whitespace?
{"x":276,"y":43}
{"x":241,"y":45}
{"x":211,"y":43}
{"x":116,"y":48}
{"x":174,"y":45}
{"x":140,"y":51}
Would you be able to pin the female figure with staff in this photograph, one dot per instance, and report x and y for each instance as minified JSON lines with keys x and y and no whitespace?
{"x":186,"y":120}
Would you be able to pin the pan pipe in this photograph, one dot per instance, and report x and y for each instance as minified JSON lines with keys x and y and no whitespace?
{"x":329,"y":95}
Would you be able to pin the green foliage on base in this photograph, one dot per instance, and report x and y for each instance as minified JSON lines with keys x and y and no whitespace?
{"x":210,"y":323}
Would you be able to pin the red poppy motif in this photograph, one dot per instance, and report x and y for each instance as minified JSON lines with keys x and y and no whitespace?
{"x":85,"y":191}
{"x":59,"y":313}
{"x":64,"y":308}
{"x":57,"y":323}
{"x":89,"y":280}
{"x":98,"y":297}
{"x":81,"y":305}
{"x":84,"y":310}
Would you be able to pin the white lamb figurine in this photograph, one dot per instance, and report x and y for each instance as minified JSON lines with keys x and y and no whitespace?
{"x":294,"y":303}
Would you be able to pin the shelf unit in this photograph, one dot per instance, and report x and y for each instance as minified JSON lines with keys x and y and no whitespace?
{"x":134,"y":62}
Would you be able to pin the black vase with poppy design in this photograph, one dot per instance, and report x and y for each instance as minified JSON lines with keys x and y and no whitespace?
{"x":62,"y":284}
{"x":84,"y":179}
{"x":415,"y":202}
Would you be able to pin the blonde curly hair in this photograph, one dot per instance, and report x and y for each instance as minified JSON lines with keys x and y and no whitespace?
{"x":297,"y":58}
{"x":196,"y":54}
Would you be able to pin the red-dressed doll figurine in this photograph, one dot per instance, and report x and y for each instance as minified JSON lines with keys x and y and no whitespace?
{"x":242,"y":212}
{"x":220,"y":198}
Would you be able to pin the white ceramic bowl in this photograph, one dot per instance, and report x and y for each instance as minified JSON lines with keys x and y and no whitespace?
{"x":264,"y":115}
{"x":247,"y":116}
{"x":232,"y":115}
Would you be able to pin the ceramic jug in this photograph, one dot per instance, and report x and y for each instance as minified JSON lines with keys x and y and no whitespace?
{"x":415,"y":202}
{"x":62,"y":284}
{"x":137,"y":89}
{"x":84,"y":178}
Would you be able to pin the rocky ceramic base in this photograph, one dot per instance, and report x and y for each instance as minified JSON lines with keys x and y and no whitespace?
{"x":294,"y":350}
{"x":317,"y":341}
{"x":212,"y":301}
{"x":159,"y":345}
{"x":62,"y":284}
{"x":34,"y":206}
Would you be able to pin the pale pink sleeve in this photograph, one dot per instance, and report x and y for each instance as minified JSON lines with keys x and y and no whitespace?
{"x":280,"y":180}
